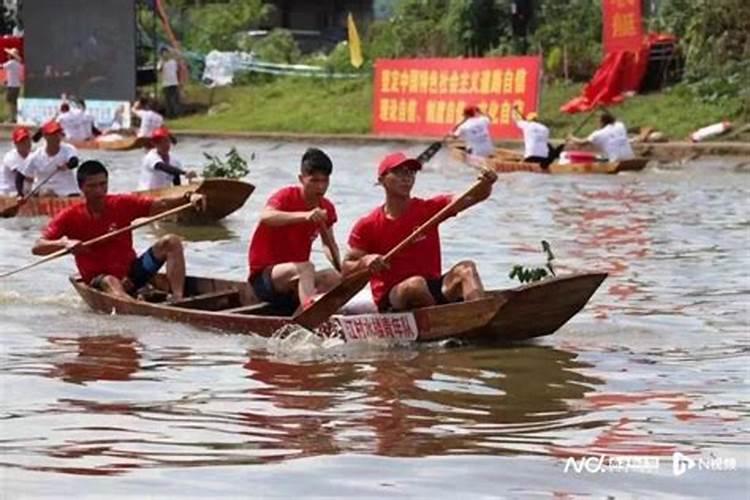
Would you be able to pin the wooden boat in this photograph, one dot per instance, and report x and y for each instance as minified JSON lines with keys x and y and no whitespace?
{"x":506,"y":161}
{"x":514,"y":314}
{"x":224,"y":197}
{"x":112,"y":143}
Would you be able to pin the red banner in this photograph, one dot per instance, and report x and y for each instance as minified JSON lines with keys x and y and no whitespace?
{"x":426,"y":97}
{"x":622,"y":25}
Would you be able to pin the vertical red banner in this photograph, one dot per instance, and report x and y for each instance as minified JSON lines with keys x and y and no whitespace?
{"x":622,"y":25}
{"x":426,"y":97}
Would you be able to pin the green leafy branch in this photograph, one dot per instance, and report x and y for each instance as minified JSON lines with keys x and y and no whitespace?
{"x":235,"y":166}
{"x":530,"y":275}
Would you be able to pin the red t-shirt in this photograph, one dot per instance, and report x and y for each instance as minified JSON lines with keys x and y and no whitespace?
{"x":376,"y":233}
{"x":113,"y":256}
{"x":273,"y":245}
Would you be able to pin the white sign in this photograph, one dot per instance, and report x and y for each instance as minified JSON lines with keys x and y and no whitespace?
{"x":108,"y":115}
{"x":400,"y":327}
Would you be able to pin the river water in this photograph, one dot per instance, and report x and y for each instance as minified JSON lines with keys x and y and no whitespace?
{"x":654,"y":370}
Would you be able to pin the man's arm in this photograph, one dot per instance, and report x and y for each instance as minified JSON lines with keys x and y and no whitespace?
{"x":20,"y":180}
{"x":488,"y":178}
{"x":331,"y":248}
{"x":274,"y":217}
{"x":43,"y":246}
{"x":163,"y":204}
{"x":359,"y":260}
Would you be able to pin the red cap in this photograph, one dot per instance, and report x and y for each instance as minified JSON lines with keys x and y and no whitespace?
{"x":51,"y":127}
{"x":471,"y":110}
{"x":160,"y":133}
{"x":20,"y":134}
{"x":395,"y":160}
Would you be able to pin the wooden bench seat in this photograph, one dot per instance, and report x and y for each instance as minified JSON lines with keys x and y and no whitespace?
{"x":210,"y":301}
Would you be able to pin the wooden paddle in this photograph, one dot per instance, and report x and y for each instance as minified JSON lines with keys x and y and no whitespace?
{"x":433,"y":148}
{"x":12,"y":210}
{"x":332,"y":301}
{"x":98,"y":239}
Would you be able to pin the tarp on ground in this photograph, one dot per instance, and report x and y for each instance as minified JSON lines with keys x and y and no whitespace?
{"x":619,"y":73}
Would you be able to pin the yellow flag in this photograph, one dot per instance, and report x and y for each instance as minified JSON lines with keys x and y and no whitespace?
{"x":355,"y":48}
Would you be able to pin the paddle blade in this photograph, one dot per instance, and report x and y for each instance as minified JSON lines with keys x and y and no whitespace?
{"x":332,"y":301}
{"x":428,"y":153}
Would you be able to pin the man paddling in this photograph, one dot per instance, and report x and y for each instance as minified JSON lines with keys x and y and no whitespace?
{"x":13,"y":161}
{"x":536,"y":146}
{"x":160,"y":168}
{"x":611,"y":139}
{"x":475,"y":131}
{"x":54,"y":155}
{"x":413,"y":277}
{"x":112,"y":265}
{"x":279,"y":254}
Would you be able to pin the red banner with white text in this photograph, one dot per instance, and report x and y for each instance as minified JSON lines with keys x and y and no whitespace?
{"x":426,"y":97}
{"x":622,"y":25}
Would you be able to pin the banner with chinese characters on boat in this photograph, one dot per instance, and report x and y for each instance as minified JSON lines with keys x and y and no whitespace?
{"x":426,"y":97}
{"x":622,"y":25}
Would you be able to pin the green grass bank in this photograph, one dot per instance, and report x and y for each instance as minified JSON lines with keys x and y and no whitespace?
{"x":298,"y":105}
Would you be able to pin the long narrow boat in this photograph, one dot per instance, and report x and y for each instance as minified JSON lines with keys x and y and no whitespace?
{"x":513,"y":314}
{"x":504,"y":161}
{"x":112,"y":142}
{"x":224,"y":197}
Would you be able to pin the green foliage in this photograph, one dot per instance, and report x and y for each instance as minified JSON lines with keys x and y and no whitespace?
{"x":215,"y":26}
{"x":530,"y":275}
{"x":278,"y":47}
{"x":572,"y":29}
{"x":235,"y":166}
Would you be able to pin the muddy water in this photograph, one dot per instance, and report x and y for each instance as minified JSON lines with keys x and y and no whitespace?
{"x":654,"y":366}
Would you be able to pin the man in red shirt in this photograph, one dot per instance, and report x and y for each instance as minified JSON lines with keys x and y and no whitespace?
{"x":279,"y":255}
{"x":412,"y":278}
{"x":112,"y":265}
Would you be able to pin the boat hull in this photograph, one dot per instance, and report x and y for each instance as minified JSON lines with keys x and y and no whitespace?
{"x":224,"y":197}
{"x":504,"y":162}
{"x":511,"y":315}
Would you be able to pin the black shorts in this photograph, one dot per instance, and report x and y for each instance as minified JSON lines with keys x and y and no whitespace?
{"x":434,"y":285}
{"x":263,"y":288}
{"x":141,"y":271}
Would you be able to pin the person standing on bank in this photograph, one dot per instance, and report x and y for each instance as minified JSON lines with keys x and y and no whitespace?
{"x":13,"y":71}
{"x":160,"y":168}
{"x":279,"y":254}
{"x":170,"y":82}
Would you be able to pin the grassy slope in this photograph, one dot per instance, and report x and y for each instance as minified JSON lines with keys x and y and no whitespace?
{"x":331,"y":107}
{"x":301,"y":105}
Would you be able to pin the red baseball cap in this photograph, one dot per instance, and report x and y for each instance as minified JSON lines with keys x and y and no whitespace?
{"x":20,"y":134}
{"x":395,"y":160}
{"x":471,"y":110}
{"x":51,"y":127}
{"x":160,"y":133}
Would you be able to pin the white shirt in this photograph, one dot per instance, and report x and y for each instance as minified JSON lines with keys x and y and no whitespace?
{"x":535,"y":138}
{"x":152,"y":178}
{"x":12,"y":162}
{"x":13,"y":70}
{"x":70,"y":122}
{"x":169,"y":73}
{"x":40,"y":165}
{"x":612,"y":140}
{"x":150,"y":121}
{"x":476,"y":132}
